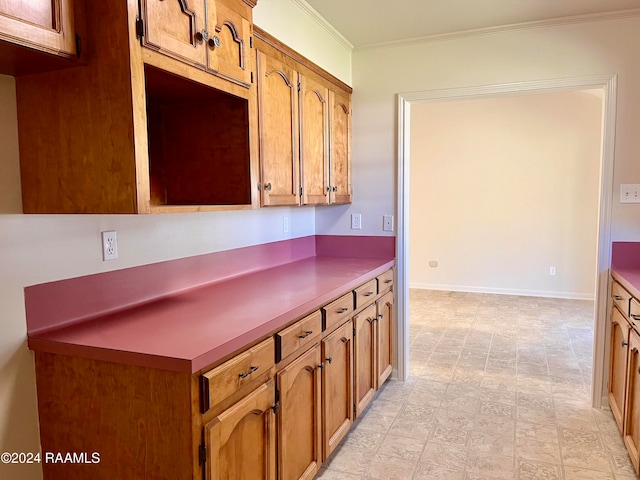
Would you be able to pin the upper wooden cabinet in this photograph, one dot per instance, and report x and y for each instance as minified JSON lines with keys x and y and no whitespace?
{"x":278,"y":124}
{"x":136,"y":130}
{"x":340,"y":150}
{"x":41,"y":24}
{"x":305,"y":129}
{"x":208,"y":34}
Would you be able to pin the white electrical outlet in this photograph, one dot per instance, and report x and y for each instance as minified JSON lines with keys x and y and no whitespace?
{"x":285,"y":224}
{"x":387,"y":223}
{"x":552,"y":271}
{"x":433,"y":263}
{"x":109,"y":245}
{"x":356,"y":221}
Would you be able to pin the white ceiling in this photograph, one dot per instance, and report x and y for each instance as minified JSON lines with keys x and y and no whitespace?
{"x":369,"y":22}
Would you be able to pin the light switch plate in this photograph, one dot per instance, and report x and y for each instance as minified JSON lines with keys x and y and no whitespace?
{"x":630,"y":193}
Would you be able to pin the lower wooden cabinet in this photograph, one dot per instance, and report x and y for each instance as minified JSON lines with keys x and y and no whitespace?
{"x":632,"y":404}
{"x":384,"y":343}
{"x":241,"y":441}
{"x":299,"y":417}
{"x":277,"y":409}
{"x":619,"y":348}
{"x":337,"y":387}
{"x":364,"y":382}
{"x":373,"y":350}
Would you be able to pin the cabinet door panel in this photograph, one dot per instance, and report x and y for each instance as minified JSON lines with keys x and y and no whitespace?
{"x":228,"y":44}
{"x":314,"y":142}
{"x":299,"y":417}
{"x":241,"y":440}
{"x":43,"y":24}
{"x":364,"y":358}
{"x":172,"y":27}
{"x":340,"y":174}
{"x":618,"y":347}
{"x":337,"y":386}
{"x":384,"y":333}
{"x":632,"y":404}
{"x":278,"y":124}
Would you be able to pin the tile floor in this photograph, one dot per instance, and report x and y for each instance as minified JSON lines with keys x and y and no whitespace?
{"x":499,"y":389}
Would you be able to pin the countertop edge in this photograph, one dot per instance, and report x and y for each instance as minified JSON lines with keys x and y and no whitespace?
{"x":216,"y":354}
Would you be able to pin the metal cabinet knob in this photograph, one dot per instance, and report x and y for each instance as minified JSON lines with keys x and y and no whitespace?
{"x":202,"y":36}
{"x":214,"y":42}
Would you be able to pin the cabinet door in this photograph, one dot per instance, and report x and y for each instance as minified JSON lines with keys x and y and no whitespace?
{"x":299,"y":447}
{"x":278,"y":126}
{"x":632,"y":404}
{"x":364,"y":342}
{"x":43,"y":24}
{"x":314,"y":142}
{"x":229,"y":32}
{"x":176,"y":28}
{"x":340,"y":148}
{"x":337,"y":386}
{"x":618,"y":347}
{"x":384,"y":324}
{"x":241,"y":441}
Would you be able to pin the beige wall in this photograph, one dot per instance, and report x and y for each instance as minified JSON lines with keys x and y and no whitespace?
{"x":42,"y":248}
{"x":503,"y":188}
{"x":516,"y":55}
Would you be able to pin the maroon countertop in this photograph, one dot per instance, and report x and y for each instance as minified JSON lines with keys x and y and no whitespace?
{"x":625,"y":265}
{"x":197,"y":327}
{"x":629,"y":278}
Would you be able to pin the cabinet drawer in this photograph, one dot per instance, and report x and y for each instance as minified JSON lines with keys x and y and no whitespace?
{"x":385,"y":281}
{"x":634,"y":312}
{"x":366,"y":292}
{"x":620,"y":297}
{"x":301,"y":333}
{"x":338,"y":311}
{"x":243,"y":369}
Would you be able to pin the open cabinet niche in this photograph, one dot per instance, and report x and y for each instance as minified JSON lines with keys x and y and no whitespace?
{"x":199,"y":152}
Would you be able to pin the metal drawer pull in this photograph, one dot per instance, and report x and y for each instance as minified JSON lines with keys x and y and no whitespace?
{"x":617,"y":297}
{"x":342,"y":310}
{"x":368,"y":294}
{"x":344,"y":339}
{"x":624,"y":344}
{"x":636,"y":317}
{"x":388,"y":281}
{"x":305,"y":334}
{"x":329,"y":359}
{"x":251,"y":370}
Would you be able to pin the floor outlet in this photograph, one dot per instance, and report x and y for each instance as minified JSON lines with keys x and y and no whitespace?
{"x":109,"y":245}
{"x":356,"y":221}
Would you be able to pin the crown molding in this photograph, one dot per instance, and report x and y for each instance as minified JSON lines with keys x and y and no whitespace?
{"x":575,"y":19}
{"x":319,"y":19}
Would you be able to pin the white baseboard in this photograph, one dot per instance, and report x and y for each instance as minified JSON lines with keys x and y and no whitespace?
{"x":504,"y":291}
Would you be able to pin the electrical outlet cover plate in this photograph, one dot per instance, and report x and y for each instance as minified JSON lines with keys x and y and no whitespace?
{"x":356,"y":221}
{"x":109,"y":245}
{"x":387,"y":223}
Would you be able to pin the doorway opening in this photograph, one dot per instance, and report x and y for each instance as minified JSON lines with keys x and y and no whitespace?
{"x":604,"y":84}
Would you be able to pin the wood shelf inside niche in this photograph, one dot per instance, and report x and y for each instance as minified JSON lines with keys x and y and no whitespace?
{"x":199,"y":151}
